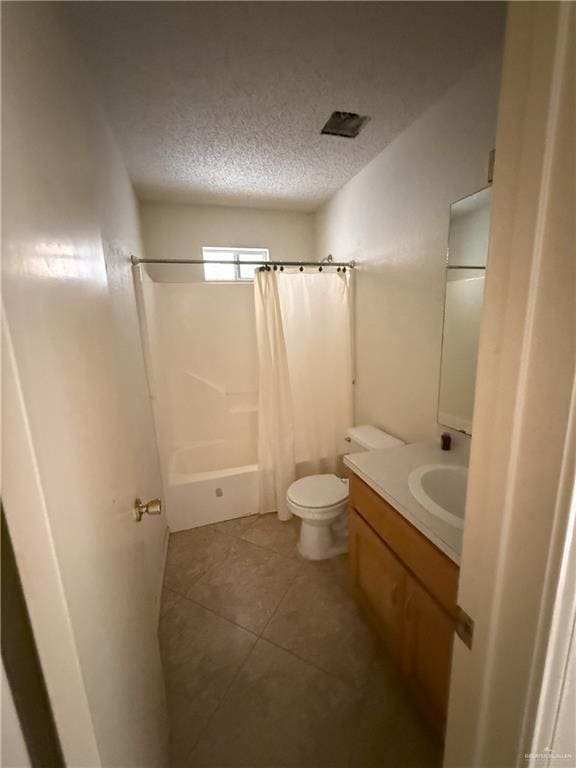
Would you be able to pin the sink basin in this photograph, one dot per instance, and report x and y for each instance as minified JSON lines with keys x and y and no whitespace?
{"x":441,"y":489}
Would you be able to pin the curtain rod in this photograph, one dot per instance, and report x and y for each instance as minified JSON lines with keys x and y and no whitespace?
{"x":347,"y":264}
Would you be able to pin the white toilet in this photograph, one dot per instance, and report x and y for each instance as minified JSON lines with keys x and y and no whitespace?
{"x":320,"y":500}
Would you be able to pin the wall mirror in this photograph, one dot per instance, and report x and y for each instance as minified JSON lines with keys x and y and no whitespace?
{"x":466,"y":265}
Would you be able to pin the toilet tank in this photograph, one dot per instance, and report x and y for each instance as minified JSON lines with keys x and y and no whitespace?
{"x":369,"y":438}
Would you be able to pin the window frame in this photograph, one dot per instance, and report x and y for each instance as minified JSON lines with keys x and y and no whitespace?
{"x":236,"y":262}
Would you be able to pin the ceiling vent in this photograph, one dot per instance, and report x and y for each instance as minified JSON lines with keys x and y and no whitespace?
{"x":347,"y":124}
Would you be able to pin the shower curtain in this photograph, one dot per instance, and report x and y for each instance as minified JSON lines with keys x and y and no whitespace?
{"x":305,"y":378}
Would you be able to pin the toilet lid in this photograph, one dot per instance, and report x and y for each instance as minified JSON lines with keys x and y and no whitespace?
{"x":318,"y":491}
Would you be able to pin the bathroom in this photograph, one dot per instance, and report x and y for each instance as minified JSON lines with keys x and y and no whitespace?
{"x":281,"y":474}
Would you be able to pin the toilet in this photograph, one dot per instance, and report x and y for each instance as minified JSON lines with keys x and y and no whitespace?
{"x":320,"y":501}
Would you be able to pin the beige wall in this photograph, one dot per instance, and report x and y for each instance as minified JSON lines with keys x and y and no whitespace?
{"x":173,"y":231}
{"x":69,"y":226}
{"x":392,"y":218}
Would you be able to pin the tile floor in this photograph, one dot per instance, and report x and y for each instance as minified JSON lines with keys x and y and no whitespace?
{"x":269,"y":664}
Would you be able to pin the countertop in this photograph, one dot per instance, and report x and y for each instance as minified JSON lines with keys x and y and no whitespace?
{"x":386,"y":472}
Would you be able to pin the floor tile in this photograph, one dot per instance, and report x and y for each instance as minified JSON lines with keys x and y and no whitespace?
{"x":235,"y":527}
{"x":385,"y":680}
{"x":188,"y":718}
{"x":392,"y":731}
{"x":280,"y":536}
{"x":329,"y":697}
{"x":319,"y":622}
{"x":247,"y":587}
{"x":280,"y":711}
{"x":191,"y":553}
{"x":201,"y":652}
{"x":335,"y":568}
{"x":168,"y":599}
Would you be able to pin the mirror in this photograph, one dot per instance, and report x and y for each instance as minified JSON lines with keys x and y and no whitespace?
{"x":467,"y":253}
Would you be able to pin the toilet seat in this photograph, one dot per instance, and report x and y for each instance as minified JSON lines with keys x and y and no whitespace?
{"x":318,"y":492}
{"x":319,"y":513}
{"x":320,"y":501}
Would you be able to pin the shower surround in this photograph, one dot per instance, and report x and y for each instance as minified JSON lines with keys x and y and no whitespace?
{"x":202,"y":362}
{"x":226,"y":449}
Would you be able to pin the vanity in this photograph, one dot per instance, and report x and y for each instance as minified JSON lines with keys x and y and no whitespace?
{"x":404,"y":568}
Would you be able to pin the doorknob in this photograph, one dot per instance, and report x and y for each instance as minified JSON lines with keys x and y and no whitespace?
{"x":153,"y":507}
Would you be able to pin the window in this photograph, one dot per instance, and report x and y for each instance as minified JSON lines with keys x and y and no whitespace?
{"x":235,"y":269}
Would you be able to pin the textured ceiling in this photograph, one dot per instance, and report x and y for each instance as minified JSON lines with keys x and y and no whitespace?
{"x":223,"y":102}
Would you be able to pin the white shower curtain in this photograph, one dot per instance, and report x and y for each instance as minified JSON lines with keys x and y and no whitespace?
{"x":305,"y":378}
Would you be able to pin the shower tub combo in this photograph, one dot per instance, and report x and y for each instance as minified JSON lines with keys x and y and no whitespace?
{"x":197,"y":494}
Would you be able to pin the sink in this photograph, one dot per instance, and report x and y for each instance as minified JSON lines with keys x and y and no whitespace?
{"x":441,"y":489}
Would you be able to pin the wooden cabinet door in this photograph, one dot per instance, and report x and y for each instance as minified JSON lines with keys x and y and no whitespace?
{"x":427,"y":651}
{"x":379,"y":580}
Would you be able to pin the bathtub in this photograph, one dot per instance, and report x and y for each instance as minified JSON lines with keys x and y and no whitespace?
{"x":197,"y":494}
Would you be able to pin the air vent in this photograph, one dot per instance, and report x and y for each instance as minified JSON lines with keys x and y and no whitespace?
{"x":347,"y":124}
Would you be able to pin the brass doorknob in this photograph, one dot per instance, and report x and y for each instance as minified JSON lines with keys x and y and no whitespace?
{"x":153,"y":507}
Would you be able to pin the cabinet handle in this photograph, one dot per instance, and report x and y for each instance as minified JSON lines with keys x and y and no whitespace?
{"x":394,"y":594}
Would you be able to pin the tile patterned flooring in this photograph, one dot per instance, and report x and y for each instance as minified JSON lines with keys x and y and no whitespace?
{"x":269,"y":664}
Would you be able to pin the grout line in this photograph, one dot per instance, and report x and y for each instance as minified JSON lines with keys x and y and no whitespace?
{"x":219,"y":616}
{"x":222,"y":699}
{"x":268,"y":548}
{"x":275,"y":611}
{"x":360,"y":690}
{"x":211,"y":610}
{"x":257,"y":519}
{"x":161,"y":615}
{"x":240,"y":537}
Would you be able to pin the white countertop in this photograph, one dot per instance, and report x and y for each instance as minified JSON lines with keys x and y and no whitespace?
{"x":386,"y":472}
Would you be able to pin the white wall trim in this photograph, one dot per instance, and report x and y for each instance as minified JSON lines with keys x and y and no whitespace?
{"x":29,"y":525}
{"x":556,"y":637}
{"x":531,"y":330}
{"x":522,"y":463}
{"x":162,"y":574}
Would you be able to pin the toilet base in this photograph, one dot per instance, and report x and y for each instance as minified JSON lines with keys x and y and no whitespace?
{"x":318,"y":542}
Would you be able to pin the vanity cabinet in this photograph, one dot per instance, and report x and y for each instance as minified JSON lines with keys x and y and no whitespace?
{"x":380,"y":582}
{"x":427,"y":651}
{"x":407,"y":587}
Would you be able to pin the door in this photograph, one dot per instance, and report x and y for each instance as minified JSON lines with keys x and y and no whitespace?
{"x":427,"y":651}
{"x":379,"y":580}
{"x":79,"y":441}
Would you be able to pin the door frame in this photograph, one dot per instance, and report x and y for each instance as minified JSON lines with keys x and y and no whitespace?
{"x":521,"y":478}
{"x":21,"y":665}
{"x":29,"y":526}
